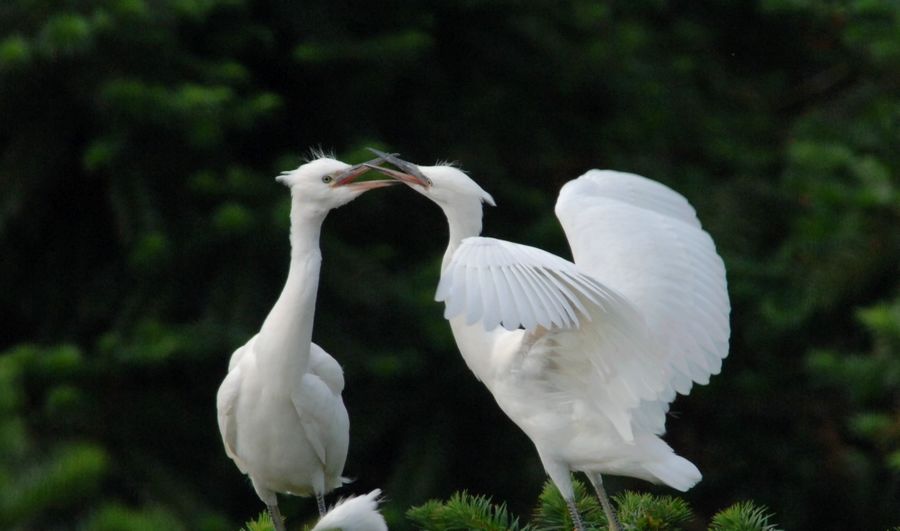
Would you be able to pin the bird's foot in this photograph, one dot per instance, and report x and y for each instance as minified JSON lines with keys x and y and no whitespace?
{"x":611,"y":517}
{"x":577,"y":523}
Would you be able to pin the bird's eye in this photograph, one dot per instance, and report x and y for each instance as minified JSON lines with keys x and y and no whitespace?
{"x":428,"y":180}
{"x":327,"y":178}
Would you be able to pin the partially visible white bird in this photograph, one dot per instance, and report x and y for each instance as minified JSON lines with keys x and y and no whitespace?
{"x":280,"y":410}
{"x":356,"y":513}
{"x":585,"y":357}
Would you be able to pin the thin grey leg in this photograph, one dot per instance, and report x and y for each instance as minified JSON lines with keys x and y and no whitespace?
{"x":576,"y":518}
{"x":320,"y":501}
{"x":611,"y":517}
{"x":277,"y":519}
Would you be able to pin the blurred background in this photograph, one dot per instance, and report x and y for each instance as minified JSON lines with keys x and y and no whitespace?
{"x":144,"y":237}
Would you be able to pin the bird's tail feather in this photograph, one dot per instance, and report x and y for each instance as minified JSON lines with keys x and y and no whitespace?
{"x":675,"y":471}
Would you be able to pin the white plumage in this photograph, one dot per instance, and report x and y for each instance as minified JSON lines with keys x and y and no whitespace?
{"x":280,"y":411}
{"x":356,"y":513}
{"x":586,"y":356}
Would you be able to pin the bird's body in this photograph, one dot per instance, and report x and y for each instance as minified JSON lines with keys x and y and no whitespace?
{"x":567,"y":429}
{"x":285,"y":456}
{"x":280,"y":411}
{"x":585,"y":357}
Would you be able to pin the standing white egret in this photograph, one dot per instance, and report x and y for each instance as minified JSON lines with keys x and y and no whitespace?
{"x":357,"y":513}
{"x":587,"y":355}
{"x":280,"y":410}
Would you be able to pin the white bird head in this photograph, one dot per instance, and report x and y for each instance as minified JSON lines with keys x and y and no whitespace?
{"x":328,"y":183}
{"x":446,"y":185}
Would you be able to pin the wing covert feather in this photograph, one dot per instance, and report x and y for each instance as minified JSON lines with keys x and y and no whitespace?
{"x":318,"y":409}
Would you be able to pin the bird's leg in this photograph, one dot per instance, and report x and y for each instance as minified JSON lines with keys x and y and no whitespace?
{"x":559,"y":474}
{"x":576,"y":518}
{"x":277,"y":519}
{"x":320,"y":501}
{"x":611,"y":517}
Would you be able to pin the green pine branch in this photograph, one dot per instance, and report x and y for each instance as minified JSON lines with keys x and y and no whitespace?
{"x":647,"y":512}
{"x":552,"y":513}
{"x":743,"y":516}
{"x":637,"y":512}
{"x":262,"y":523}
{"x":465,"y":511}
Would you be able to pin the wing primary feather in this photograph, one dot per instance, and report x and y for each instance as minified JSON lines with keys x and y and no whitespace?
{"x":566,"y":287}
{"x":556,"y":299}
{"x":567,"y":298}
{"x":593,"y":290}
{"x":586,"y":290}
{"x":549,"y":313}
{"x":565,"y":316}
{"x":521,"y":315}
{"x":507,"y":300}
{"x":529,"y":303}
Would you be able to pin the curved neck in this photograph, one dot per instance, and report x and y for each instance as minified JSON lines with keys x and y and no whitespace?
{"x":464,"y":222}
{"x":283,"y":342}
{"x":306,"y":227}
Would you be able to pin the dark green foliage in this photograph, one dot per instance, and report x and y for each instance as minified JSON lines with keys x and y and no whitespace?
{"x":117,"y":518}
{"x":743,"y":516}
{"x":144,"y":239}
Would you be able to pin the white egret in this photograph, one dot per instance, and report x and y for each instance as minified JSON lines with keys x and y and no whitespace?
{"x":280,"y":411}
{"x":585,"y":357}
{"x":356,"y":513}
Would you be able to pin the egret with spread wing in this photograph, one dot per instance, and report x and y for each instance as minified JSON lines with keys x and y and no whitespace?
{"x":585,"y":357}
{"x":280,"y":411}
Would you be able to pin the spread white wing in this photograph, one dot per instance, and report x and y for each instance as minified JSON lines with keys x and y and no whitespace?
{"x":643,"y":240}
{"x":641,"y":314}
{"x":587,"y":344}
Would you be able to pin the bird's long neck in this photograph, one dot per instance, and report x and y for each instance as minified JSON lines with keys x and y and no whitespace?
{"x":284,"y":340}
{"x":464,"y":222}
{"x":476,"y":345}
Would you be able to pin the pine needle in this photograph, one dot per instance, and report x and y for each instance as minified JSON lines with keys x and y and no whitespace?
{"x":262,"y":523}
{"x":464,"y":511}
{"x":743,"y":516}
